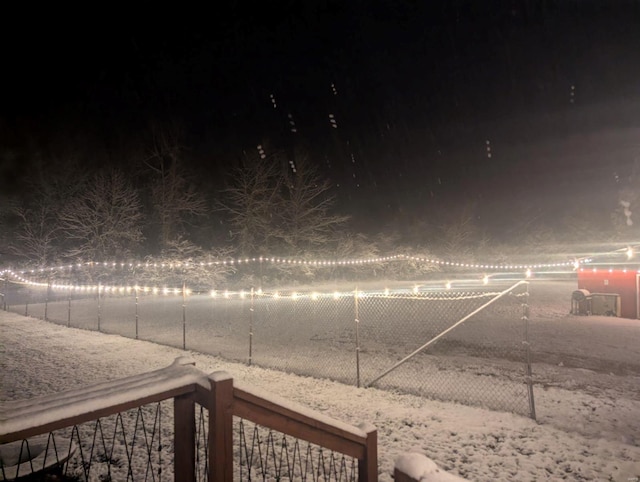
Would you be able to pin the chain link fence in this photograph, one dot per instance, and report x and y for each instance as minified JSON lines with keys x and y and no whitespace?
{"x":456,"y":345}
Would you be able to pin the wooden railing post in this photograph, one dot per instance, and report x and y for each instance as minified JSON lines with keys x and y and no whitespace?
{"x":184,"y":430}
{"x":184,"y":413}
{"x":221,"y":428}
{"x":368,"y":466}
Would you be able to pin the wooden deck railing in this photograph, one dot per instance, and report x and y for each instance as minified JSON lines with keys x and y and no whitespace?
{"x":188,"y":386}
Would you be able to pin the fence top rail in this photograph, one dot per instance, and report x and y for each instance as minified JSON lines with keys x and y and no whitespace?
{"x":297,"y":413}
{"x":274,"y":412}
{"x":25,"y":418}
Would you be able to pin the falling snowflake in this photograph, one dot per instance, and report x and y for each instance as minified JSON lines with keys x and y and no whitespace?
{"x":292,"y":123}
{"x":627,"y":212}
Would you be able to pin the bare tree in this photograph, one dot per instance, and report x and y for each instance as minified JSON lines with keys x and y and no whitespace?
{"x":251,"y":202}
{"x":282,"y":210}
{"x":174,"y":198}
{"x":105,"y":219}
{"x":460,"y":235}
{"x":306,"y":223}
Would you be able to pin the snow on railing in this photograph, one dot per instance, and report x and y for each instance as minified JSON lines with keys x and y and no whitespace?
{"x":416,"y":467}
{"x":203,"y":440}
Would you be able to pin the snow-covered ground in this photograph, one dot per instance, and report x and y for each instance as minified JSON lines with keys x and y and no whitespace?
{"x":587,"y":392}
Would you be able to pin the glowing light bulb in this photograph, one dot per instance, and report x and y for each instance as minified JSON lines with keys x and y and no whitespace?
{"x":485,"y":280}
{"x":629,"y":253}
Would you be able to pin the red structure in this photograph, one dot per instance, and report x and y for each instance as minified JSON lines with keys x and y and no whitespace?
{"x":624,"y":282}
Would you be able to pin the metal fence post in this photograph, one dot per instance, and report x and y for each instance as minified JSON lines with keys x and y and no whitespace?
{"x":4,"y":295}
{"x":529,"y":375}
{"x":46,"y":300}
{"x":99,"y":306}
{"x":184,"y":315}
{"x":357,"y":320}
{"x":136,"y":293}
{"x":251,"y":329}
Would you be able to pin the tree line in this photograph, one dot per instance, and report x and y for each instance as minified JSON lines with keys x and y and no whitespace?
{"x":272,"y":205}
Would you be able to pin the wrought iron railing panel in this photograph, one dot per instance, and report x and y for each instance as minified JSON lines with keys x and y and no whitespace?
{"x":265,"y":454}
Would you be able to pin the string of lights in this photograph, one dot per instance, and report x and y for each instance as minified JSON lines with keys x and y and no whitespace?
{"x":304,"y":262}
{"x":19,"y":276}
{"x":414,"y":293}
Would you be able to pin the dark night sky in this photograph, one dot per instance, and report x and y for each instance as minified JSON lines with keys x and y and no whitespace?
{"x":421,"y":87}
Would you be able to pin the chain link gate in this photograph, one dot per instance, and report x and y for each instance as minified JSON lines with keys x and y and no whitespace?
{"x":452,"y":346}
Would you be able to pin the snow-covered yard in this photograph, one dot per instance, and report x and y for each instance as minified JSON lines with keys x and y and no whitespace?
{"x":588,"y":417}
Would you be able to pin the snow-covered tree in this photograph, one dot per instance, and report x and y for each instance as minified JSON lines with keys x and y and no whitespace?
{"x":36,"y":235}
{"x":104,"y":219}
{"x":184,"y":262}
{"x":37,"y":232}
